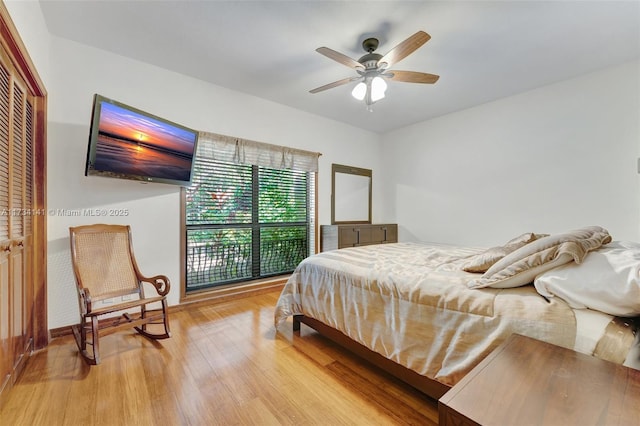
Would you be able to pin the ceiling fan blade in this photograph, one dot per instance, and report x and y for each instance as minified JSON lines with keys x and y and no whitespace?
{"x":334,"y":84}
{"x":404,"y":49}
{"x":339,"y":57}
{"x":412,"y":77}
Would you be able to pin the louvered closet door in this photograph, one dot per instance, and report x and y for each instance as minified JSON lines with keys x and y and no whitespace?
{"x":27,"y":224}
{"x":19,"y":211}
{"x":16,"y":220}
{"x":23,"y":245}
{"x":6,"y":350}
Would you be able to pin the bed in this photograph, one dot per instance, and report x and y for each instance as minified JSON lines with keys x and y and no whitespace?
{"x":415,"y":309}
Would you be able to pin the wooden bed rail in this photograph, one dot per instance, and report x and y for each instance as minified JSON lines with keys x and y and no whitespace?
{"x":430,"y":387}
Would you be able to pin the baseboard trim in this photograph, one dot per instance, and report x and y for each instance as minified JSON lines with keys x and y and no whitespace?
{"x":225,"y":294}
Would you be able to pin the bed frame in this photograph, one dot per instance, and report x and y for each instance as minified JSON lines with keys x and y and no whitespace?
{"x":430,"y":387}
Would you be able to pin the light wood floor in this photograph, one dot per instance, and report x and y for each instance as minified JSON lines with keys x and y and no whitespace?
{"x":224,"y":365}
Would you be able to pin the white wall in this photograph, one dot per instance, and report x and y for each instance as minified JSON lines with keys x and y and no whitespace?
{"x":548,"y":160}
{"x":75,"y":72}
{"x":78,"y":72}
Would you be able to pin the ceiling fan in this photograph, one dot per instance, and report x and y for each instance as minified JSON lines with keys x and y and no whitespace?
{"x":373,"y":68}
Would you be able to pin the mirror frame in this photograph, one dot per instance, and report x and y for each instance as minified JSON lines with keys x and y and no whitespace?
{"x":339,"y":168}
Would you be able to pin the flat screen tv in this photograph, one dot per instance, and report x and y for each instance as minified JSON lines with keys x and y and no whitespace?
{"x":127,"y":143}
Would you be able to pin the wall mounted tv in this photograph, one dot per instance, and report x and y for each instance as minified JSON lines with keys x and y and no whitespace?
{"x":127,"y":143}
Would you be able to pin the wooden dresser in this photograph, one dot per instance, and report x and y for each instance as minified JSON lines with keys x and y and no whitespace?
{"x":529,"y":382}
{"x":353,"y":235}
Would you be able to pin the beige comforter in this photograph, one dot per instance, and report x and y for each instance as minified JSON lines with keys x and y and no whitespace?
{"x":410,"y":303}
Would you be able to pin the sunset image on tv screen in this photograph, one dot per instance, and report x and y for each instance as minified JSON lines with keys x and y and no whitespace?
{"x":134,"y":144}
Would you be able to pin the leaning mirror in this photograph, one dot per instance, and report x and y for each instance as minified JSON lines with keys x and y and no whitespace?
{"x":350,"y":194}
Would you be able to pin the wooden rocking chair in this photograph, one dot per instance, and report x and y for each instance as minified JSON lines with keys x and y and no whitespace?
{"x":105,"y":268}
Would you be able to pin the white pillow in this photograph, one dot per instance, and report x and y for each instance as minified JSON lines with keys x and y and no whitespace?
{"x":608,"y":280}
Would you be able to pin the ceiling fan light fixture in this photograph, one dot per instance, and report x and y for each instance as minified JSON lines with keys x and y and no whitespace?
{"x":378,"y":87}
{"x":360,"y":91}
{"x":370,"y":90}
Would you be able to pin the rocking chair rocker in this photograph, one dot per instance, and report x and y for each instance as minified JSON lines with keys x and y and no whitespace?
{"x":105,"y":268}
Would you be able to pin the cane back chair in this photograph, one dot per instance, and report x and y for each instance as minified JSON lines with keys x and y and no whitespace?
{"x":105,"y":269}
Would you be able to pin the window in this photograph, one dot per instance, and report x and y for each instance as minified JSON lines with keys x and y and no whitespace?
{"x":246,"y":222}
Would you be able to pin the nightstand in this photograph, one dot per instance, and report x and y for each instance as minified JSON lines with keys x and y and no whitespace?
{"x":529,"y":382}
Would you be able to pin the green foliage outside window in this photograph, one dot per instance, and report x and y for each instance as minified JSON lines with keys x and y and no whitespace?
{"x":222,"y":222}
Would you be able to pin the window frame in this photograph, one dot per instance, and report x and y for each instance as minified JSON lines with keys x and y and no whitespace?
{"x":243,"y":287}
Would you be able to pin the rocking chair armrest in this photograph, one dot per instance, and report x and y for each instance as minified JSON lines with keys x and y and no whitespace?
{"x":160,"y":282}
{"x":85,"y":299}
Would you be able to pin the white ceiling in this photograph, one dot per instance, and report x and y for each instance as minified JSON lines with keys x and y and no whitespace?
{"x":481,"y":50}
